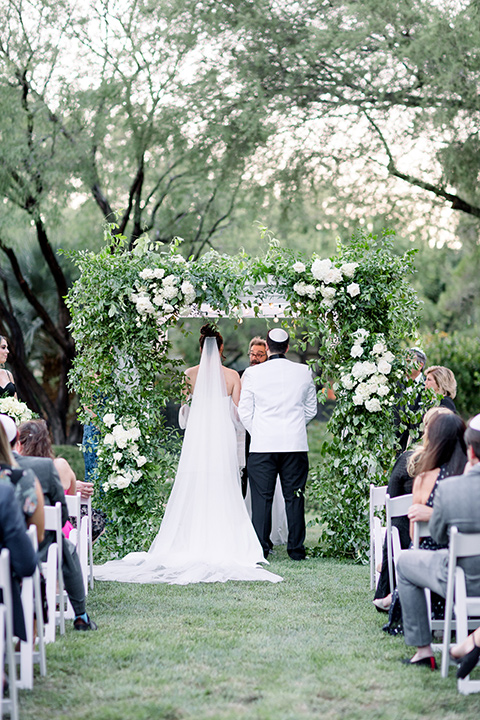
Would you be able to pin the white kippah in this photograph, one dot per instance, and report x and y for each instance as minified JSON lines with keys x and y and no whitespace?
{"x":9,"y":427}
{"x":278,"y":335}
{"x":475,"y":422}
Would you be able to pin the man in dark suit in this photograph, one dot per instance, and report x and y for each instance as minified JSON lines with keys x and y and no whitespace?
{"x":411,"y":397}
{"x":53,"y":492}
{"x":278,"y":399}
{"x":456,"y":502}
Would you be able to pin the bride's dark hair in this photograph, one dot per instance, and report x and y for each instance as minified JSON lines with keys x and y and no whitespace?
{"x":210,"y":331}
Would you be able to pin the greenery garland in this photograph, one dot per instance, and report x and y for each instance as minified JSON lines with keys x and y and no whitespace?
{"x":358,"y":306}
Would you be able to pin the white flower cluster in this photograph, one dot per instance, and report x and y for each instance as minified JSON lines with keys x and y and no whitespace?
{"x":17,"y":410}
{"x":368,"y":379}
{"x":126,"y":455}
{"x":162,"y":295}
{"x":325,"y":272}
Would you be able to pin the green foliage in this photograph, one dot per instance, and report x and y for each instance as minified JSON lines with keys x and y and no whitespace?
{"x":459,"y":351}
{"x":357,"y":304}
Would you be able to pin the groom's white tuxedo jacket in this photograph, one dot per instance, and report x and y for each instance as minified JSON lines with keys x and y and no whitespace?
{"x":278,"y":399}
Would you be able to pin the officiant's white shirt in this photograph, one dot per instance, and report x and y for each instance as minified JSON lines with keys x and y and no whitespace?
{"x":278,"y":399}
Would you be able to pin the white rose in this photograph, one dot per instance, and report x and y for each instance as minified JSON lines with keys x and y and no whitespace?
{"x":117,"y":456}
{"x":109,"y":439}
{"x":379,"y":348}
{"x":353,"y":289}
{"x":170,"y":280}
{"x":299,"y":267}
{"x":356,"y":351}
{"x":159,"y":273}
{"x":106,"y":486}
{"x":333,"y":275}
{"x":141,"y":460}
{"x":383,"y":390}
{"x":144,"y":306}
{"x":310,"y":290}
{"x":357,"y":400}
{"x":168,"y":308}
{"x":373,"y":405}
{"x":300,"y":288}
{"x":327,"y":303}
{"x":361,"y":334}
{"x":369,"y":368}
{"x":158,"y":299}
{"x":328,"y":292}
{"x":320,"y":268}
{"x":358,"y":370}
{"x":122,"y":482}
{"x":109,"y":419}
{"x":363,"y":390}
{"x":135,"y":433}
{"x":348,"y":269}
{"x":383,"y":366}
{"x":389,"y":357}
{"x":347,"y":381}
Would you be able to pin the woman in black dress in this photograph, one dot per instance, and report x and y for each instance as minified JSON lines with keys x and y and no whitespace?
{"x":7,"y":385}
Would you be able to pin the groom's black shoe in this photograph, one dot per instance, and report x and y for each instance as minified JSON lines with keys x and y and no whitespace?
{"x":297,"y":556}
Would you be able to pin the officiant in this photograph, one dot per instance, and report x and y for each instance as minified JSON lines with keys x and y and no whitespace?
{"x":278,"y":399}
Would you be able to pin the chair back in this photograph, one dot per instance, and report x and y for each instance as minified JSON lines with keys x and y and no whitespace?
{"x":461,"y":546}
{"x":377,"y":500}
{"x":9,"y":704}
{"x":395,"y":507}
{"x":420,"y":530}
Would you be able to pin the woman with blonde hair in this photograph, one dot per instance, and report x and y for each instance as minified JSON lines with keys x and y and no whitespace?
{"x":442,"y":380}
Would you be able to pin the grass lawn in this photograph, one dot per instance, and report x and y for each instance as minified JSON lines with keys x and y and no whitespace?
{"x":309,"y":647}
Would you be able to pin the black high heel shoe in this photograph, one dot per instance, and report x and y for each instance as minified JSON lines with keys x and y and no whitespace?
{"x":468,"y":662}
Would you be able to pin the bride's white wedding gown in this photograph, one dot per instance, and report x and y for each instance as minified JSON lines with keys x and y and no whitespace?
{"x":206,"y":534}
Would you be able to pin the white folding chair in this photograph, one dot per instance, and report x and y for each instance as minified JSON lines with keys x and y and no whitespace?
{"x":2,"y":651}
{"x":88,"y":503}
{"x":461,"y":545}
{"x":54,"y":573}
{"x":9,"y":705}
{"x":395,"y":507}
{"x":79,"y":535}
{"x":377,"y":500}
{"x":32,"y":606}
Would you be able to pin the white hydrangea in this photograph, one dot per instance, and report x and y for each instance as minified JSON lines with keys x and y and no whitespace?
{"x":347,"y":381}
{"x":348,"y":269}
{"x":109,"y":419}
{"x":147,"y":274}
{"x":300,"y":288}
{"x":299,"y":267}
{"x":334,"y":275}
{"x":328,"y":292}
{"x":320,"y":268}
{"x":353,"y":289}
{"x":373,"y":405}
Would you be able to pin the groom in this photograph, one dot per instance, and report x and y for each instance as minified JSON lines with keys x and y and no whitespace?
{"x":278,"y":400}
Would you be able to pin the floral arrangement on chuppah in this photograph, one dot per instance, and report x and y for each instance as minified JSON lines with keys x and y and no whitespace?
{"x":357,"y":306}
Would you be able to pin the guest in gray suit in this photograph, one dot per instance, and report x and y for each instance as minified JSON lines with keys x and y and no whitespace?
{"x":456,"y":502}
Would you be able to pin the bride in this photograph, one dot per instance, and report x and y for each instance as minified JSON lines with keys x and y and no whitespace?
{"x":206,"y":534}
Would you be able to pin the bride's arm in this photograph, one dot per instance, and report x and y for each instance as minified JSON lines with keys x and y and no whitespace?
{"x":237,"y":386}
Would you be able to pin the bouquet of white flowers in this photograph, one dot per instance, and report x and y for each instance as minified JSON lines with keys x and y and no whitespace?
{"x":16,"y":409}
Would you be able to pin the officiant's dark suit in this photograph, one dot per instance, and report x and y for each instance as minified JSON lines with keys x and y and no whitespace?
{"x":278,"y":399}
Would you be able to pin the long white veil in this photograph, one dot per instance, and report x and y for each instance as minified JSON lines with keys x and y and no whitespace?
{"x":206,"y":534}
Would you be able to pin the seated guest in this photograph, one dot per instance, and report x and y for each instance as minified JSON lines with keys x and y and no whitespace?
{"x":28,"y":491}
{"x":53,"y":492}
{"x":37,"y":443}
{"x":456,"y":502}
{"x":442,"y":380}
{"x":467,"y":654}
{"x":409,"y":466}
{"x":13,"y":537}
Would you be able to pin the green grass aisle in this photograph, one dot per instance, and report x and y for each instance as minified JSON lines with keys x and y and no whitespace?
{"x":310,"y":647}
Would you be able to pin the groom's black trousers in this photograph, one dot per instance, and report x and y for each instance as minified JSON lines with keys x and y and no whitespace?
{"x":292,"y":467}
